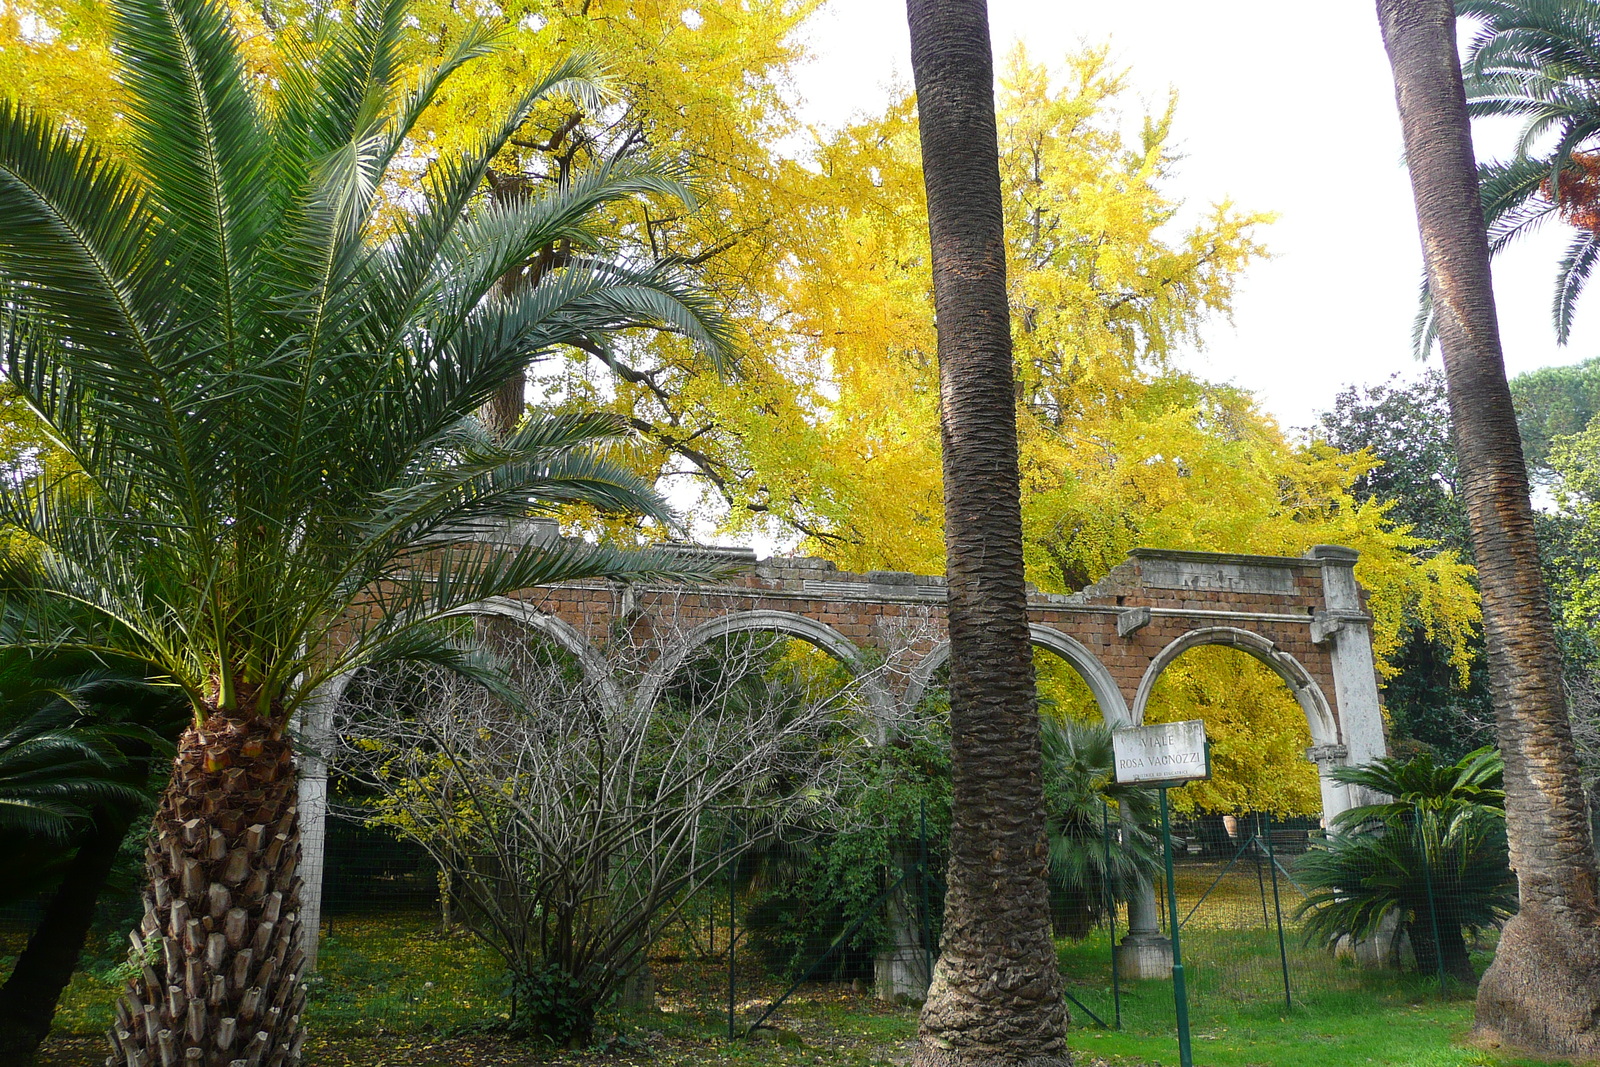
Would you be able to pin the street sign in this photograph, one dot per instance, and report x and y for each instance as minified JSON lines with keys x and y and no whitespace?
{"x":1165,"y":755}
{"x":1168,"y":753}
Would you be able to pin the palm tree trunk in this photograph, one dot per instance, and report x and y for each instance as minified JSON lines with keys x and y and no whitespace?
{"x":1542,"y":992}
{"x":1424,"y":950}
{"x":996,"y":991}
{"x":1451,"y":944}
{"x":28,"y":999}
{"x":222,"y":987}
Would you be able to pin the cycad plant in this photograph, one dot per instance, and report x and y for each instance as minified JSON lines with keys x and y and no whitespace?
{"x":1472,"y":783}
{"x":1432,"y":860}
{"x":264,"y":370}
{"x":55,"y":769}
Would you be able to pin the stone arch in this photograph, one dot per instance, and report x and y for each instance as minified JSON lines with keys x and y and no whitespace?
{"x":595,"y":665}
{"x":789,"y":624}
{"x":1324,"y":725}
{"x":1107,"y":694}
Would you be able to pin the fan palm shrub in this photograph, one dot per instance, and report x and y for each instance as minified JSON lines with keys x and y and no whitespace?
{"x":263,"y":372}
{"x":1432,"y":860}
{"x":1083,"y":804}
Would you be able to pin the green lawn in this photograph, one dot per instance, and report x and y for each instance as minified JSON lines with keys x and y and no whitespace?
{"x":1338,"y":1015}
{"x":393,"y":992}
{"x":394,"y":973}
{"x":1429,"y":1033}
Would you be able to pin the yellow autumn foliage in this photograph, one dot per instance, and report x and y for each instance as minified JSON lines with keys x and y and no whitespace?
{"x":828,"y":429}
{"x":1118,"y":448}
{"x":702,"y":88}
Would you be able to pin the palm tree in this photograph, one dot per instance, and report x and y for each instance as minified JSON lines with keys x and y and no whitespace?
{"x":1536,"y":60}
{"x":264,"y":371}
{"x":997,"y":907}
{"x":1542,"y":992}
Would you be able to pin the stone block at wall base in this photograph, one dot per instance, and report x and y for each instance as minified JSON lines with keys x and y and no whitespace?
{"x":901,"y":975}
{"x":1141,"y":956}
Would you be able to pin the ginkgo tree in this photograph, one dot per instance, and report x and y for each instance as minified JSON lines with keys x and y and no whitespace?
{"x":826,"y":434}
{"x":1119,"y":446}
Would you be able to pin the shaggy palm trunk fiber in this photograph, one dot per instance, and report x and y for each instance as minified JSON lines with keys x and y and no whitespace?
{"x":995,"y":999}
{"x":221,"y":983}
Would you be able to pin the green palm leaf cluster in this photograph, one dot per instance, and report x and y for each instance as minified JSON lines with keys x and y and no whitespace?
{"x":266,"y":381}
{"x":1475,"y":782}
{"x":1538,"y":62}
{"x":57,"y":764}
{"x":1429,"y":864}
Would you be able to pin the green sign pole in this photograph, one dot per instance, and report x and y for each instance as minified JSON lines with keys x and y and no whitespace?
{"x":1180,"y":992}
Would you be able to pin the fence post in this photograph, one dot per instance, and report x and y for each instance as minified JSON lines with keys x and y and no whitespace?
{"x":1277,"y":908}
{"x":1433,"y":910}
{"x":927,"y":907}
{"x":1180,"y":992}
{"x":733,"y":871}
{"x":1111,"y":909}
{"x":1255,"y":852}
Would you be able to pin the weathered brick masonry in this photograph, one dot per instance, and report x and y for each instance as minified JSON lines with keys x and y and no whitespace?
{"x":1302,"y":616}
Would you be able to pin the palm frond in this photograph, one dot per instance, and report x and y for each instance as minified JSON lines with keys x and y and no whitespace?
{"x":88,"y":330}
{"x":412,"y":270}
{"x":1571,"y":277}
{"x":1449,"y":867}
{"x":81,"y":232}
{"x":1417,"y":783}
{"x":551,"y":460}
{"x":1424,"y":329}
{"x":55,"y":770}
{"x":1537,"y":60}
{"x":200,"y":143}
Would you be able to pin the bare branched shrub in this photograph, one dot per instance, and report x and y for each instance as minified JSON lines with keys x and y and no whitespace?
{"x":575,"y":821}
{"x":1583,"y":698}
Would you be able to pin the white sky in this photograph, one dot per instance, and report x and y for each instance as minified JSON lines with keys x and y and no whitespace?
{"x":1285,"y":107}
